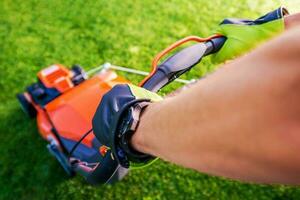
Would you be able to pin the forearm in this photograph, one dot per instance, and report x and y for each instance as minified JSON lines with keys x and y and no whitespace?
{"x":240,"y":122}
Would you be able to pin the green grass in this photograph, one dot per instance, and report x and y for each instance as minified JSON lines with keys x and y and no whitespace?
{"x":35,"y":34}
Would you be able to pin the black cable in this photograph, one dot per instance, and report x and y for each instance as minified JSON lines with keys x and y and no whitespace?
{"x":79,"y":141}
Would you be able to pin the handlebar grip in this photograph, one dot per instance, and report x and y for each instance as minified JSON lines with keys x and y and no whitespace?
{"x":157,"y":81}
{"x":184,"y":59}
{"x":181,"y":62}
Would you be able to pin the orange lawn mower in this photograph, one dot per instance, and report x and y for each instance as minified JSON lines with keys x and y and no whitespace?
{"x":64,"y":101}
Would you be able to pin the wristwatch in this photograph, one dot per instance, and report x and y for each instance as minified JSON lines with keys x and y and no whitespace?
{"x":127,"y":125}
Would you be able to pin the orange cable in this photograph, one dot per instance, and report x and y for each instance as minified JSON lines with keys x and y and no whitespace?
{"x":172,"y":47}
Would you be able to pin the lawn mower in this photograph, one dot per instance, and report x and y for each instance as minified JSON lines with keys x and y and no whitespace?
{"x":63,"y":101}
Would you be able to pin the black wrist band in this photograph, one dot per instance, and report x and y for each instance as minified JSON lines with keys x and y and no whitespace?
{"x":127,"y":127}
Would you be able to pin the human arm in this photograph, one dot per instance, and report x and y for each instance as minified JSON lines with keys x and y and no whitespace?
{"x":241,"y":122}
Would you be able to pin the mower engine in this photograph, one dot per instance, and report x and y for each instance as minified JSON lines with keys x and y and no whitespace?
{"x":52,"y":82}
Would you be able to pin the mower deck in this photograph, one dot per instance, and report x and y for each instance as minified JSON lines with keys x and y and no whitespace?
{"x":64,"y":109}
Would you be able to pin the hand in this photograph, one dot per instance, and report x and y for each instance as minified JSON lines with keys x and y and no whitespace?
{"x":244,"y":35}
{"x":116,"y":120}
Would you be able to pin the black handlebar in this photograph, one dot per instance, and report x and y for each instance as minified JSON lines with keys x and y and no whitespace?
{"x":182,"y":62}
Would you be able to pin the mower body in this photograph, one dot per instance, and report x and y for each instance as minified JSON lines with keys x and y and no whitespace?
{"x":63,"y":102}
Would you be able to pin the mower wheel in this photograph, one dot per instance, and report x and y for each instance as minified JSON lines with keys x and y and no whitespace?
{"x":26,"y":105}
{"x":61,"y":158}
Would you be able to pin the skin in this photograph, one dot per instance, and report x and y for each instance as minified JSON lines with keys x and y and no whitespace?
{"x":241,"y":122}
{"x":291,"y":21}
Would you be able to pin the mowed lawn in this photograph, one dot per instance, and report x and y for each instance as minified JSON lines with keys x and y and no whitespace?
{"x":35,"y":34}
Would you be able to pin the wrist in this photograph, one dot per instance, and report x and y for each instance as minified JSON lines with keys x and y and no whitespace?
{"x":126,"y":127}
{"x":138,"y":140}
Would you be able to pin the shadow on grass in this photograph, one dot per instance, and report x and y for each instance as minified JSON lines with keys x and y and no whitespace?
{"x":27,"y":169}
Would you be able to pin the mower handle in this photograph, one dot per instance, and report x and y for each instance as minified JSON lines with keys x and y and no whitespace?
{"x":181,"y":62}
{"x":109,"y":170}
